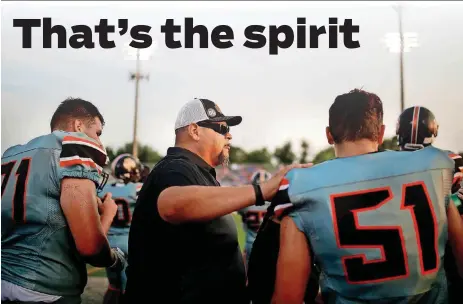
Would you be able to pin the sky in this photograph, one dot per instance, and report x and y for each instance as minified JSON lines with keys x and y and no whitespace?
{"x":280,"y":97}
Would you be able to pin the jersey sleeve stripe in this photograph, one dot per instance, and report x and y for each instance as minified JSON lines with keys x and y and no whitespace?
{"x":282,"y":196}
{"x":76,"y":160}
{"x":454,"y":156}
{"x":76,"y":140}
{"x":284,"y":184}
{"x":281,"y":208}
{"x":84,"y":151}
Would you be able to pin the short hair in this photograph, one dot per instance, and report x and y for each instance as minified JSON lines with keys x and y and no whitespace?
{"x":356,"y":115}
{"x":74,"y":108}
{"x":179,"y":132}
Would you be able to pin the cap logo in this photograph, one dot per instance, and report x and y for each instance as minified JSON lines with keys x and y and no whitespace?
{"x":211,"y":112}
{"x":217,"y":108}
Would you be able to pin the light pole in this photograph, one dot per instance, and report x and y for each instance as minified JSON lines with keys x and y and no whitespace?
{"x":402,"y":102}
{"x":401,"y":43}
{"x":137,"y":76}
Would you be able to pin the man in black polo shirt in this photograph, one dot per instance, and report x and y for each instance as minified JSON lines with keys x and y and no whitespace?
{"x":183,"y":245}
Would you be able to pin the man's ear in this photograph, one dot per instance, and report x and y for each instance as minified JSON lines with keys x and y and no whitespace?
{"x":329,"y":137}
{"x":193,"y":131}
{"x":78,"y":125}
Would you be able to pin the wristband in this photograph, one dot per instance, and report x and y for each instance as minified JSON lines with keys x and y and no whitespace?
{"x":260,"y":201}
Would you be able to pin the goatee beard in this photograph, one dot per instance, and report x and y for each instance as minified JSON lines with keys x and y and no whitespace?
{"x":224,"y":160}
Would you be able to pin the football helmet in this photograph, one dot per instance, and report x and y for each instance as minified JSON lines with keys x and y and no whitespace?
{"x":127,"y":168}
{"x":260,"y":176}
{"x":416,"y":128}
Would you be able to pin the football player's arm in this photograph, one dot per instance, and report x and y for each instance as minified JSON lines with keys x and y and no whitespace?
{"x":106,"y":218}
{"x":293,"y":266}
{"x":79,"y":170}
{"x":79,"y":204}
{"x":106,"y":222}
{"x":455,"y":230}
{"x":182,"y":203}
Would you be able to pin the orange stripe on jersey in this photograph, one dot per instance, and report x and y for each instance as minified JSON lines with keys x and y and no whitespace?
{"x":73,"y":138}
{"x":454,"y":156}
{"x":73,"y":162}
{"x":284,"y":183}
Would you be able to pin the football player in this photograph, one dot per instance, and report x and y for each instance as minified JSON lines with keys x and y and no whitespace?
{"x":417,"y":128}
{"x":53,"y":223}
{"x":376,"y":222}
{"x":252,"y":216}
{"x":127,"y":170}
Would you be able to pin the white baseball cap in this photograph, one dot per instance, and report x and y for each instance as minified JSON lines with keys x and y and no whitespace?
{"x":198,"y":110}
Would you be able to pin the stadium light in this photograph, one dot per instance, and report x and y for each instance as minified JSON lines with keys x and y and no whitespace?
{"x":392,"y":41}
{"x":138,"y":55}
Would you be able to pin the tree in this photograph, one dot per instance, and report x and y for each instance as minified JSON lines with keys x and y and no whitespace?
{"x":238,"y":155}
{"x":285,"y":154}
{"x":111,"y":153}
{"x":389,"y":144}
{"x":305,"y":151}
{"x":146,"y":154}
{"x":324,"y":155}
{"x":260,"y":156}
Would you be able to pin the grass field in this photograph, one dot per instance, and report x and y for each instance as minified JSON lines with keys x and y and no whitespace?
{"x":100,"y":272}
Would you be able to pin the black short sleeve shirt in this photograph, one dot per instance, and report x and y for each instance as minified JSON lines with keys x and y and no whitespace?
{"x":186,"y":263}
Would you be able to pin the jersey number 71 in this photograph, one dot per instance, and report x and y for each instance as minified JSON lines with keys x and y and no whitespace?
{"x":19,"y":192}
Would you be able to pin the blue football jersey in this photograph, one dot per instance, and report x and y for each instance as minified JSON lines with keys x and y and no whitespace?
{"x":38,"y":250}
{"x":125,"y":196}
{"x":376,"y":223}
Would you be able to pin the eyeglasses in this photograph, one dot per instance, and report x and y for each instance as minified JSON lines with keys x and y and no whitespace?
{"x":221,"y":129}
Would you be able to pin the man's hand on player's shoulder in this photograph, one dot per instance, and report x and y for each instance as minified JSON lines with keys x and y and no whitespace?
{"x":271,"y":187}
